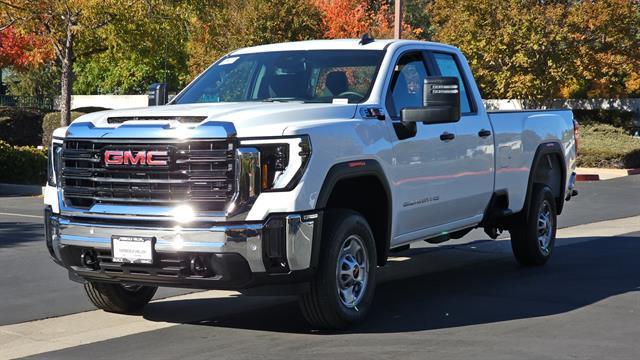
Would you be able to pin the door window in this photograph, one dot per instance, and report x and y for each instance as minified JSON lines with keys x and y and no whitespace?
{"x":406,"y":84}
{"x":449,"y":67}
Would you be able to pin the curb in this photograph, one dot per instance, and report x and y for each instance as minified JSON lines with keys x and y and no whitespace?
{"x":595,"y":176}
{"x":587,"y":177}
{"x":20,"y":190}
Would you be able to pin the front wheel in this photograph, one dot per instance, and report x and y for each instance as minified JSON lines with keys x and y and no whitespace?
{"x":533,"y":238}
{"x":117,"y":298}
{"x":342,"y":291}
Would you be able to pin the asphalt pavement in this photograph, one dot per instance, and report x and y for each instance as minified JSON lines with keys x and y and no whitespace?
{"x":463,"y":299}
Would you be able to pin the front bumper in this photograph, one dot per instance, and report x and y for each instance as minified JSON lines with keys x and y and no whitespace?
{"x":233,"y":256}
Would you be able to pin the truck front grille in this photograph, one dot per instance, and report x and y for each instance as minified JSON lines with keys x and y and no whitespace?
{"x":197,"y":172}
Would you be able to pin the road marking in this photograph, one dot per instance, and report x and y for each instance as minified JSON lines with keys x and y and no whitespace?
{"x":21,"y":215}
{"x":41,"y":336}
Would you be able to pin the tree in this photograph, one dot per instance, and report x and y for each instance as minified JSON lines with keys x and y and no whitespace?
{"x":77,"y":29}
{"x":417,"y":17}
{"x":607,"y":34}
{"x":518,"y":49}
{"x":40,"y":82}
{"x":230,"y":24}
{"x":22,"y":51}
{"x":60,"y":22}
{"x":351,"y":19}
{"x":146,"y":45}
{"x":539,"y":50}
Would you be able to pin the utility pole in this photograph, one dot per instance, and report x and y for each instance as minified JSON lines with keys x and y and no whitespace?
{"x":397,"y":28}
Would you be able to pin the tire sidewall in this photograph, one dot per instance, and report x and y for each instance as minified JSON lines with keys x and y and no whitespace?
{"x":345,"y":225}
{"x":542,"y":193}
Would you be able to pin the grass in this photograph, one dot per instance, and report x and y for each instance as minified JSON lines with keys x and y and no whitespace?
{"x":606,"y":146}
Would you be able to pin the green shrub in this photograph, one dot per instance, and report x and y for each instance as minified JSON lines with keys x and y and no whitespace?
{"x":618,"y":118}
{"x":51,"y":122}
{"x":607,"y":146}
{"x":22,"y":164}
{"x":20,"y":126}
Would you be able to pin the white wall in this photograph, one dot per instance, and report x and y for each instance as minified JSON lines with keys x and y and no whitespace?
{"x":109,"y":101}
{"x":585,"y":104}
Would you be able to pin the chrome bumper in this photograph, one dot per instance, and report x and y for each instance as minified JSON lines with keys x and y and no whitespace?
{"x":247,"y":240}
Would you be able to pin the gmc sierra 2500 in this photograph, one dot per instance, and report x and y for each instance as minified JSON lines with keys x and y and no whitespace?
{"x":301,"y":165}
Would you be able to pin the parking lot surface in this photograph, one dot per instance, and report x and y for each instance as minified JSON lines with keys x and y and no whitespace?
{"x":459,"y":300}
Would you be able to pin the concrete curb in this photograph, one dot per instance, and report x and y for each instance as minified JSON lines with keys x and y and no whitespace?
{"x":596,"y":174}
{"x":20,"y":190}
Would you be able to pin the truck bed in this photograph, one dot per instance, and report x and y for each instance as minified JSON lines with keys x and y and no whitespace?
{"x":518,"y":133}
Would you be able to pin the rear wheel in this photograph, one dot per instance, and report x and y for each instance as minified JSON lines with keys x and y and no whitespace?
{"x":342,"y":291}
{"x":533,"y":237}
{"x":119,"y":298}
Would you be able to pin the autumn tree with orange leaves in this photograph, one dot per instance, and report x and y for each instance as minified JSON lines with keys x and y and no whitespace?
{"x":22,"y":51}
{"x":351,"y":19}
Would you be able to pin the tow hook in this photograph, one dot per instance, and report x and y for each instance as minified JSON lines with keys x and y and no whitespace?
{"x":89,"y":259}
{"x":199,"y":266}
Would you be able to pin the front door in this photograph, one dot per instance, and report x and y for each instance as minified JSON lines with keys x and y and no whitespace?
{"x":474,"y":145}
{"x":425,"y":164}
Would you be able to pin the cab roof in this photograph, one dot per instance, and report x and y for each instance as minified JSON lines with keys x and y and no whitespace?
{"x":337,"y":44}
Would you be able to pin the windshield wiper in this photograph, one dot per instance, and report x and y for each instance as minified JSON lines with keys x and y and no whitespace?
{"x":282,"y":99}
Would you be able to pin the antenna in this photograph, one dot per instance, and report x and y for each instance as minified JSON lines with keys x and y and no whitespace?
{"x":366,"y":39}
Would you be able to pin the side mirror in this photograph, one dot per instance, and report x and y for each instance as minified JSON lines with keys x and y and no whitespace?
{"x":441,"y":102}
{"x":158,"y":94}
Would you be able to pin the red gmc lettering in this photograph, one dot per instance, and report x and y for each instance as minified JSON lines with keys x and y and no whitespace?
{"x":151,"y":161}
{"x":119,"y":157}
{"x":139,"y":158}
{"x":112,"y":157}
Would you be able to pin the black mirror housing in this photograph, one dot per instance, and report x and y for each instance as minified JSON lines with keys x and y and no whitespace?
{"x":441,"y":102}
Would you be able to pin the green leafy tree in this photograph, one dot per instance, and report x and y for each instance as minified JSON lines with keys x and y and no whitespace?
{"x":539,"y":50}
{"x":145,"y":45}
{"x":230,"y":24}
{"x":61,"y":23}
{"x":40,"y":82}
{"x":607,"y":40}
{"x":519,"y":49}
{"x":117,"y":45}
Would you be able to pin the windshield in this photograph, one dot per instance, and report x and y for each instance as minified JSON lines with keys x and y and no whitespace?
{"x":310,"y":76}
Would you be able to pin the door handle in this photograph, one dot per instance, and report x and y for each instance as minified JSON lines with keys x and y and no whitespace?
{"x":484,"y":133}
{"x":446,"y":136}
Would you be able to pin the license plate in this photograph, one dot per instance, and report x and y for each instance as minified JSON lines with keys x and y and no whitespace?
{"x":132,"y":249}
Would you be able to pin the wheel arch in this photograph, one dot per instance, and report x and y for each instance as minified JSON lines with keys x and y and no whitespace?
{"x":548,"y":167}
{"x":354,"y":185}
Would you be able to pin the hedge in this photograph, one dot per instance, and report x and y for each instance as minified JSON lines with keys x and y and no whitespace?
{"x":606,"y":146}
{"x":51,"y":122}
{"x":20,"y":126}
{"x":22,"y":164}
{"x":618,"y":118}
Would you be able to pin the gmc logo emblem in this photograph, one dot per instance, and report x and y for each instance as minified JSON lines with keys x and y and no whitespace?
{"x":141,"y":157}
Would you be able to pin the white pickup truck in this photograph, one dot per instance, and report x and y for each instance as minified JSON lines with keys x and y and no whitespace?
{"x":299,"y":167}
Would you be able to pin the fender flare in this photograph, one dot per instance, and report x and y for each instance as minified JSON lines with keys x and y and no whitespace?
{"x":544,"y":149}
{"x":353,"y":169}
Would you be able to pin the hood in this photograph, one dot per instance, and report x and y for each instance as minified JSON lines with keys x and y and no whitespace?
{"x":249,"y":119}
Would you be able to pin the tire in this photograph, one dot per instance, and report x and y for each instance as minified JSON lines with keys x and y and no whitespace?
{"x":533,"y":238}
{"x":348,"y":247}
{"x":117,"y":298}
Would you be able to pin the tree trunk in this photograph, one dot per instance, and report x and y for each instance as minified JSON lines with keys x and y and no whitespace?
{"x":66,"y":80}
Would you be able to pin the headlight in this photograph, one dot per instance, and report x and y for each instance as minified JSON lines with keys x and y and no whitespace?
{"x":282,"y":161}
{"x":54,"y":167}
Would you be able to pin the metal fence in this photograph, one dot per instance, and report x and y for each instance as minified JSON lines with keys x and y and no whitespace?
{"x":41,"y":103}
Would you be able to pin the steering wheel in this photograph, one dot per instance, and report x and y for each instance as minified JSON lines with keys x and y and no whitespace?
{"x":349,"y":94}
